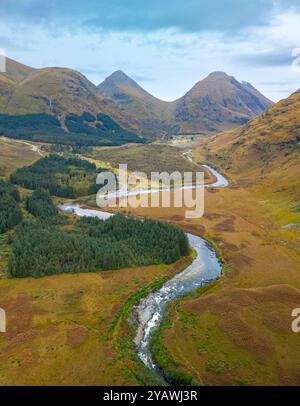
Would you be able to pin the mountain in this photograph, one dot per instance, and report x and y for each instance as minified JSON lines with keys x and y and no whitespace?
{"x":15,"y":71}
{"x":50,"y":90}
{"x":154,"y":115}
{"x":255,"y":222}
{"x":216,"y":103}
{"x":50,"y":96}
{"x":54,"y":90}
{"x":264,"y":154}
{"x":264,"y":142}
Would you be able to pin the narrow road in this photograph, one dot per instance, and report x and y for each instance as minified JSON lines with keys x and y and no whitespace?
{"x":33,"y":147}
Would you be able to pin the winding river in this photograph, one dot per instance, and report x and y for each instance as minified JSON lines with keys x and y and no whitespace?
{"x":150,"y":311}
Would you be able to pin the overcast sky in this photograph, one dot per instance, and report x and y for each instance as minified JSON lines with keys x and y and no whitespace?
{"x":166,"y":45}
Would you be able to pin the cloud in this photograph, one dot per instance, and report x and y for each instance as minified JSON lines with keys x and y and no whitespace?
{"x":7,"y":42}
{"x":268,"y":59}
{"x":166,"y":45}
{"x":91,"y":70}
{"x":281,"y":83}
{"x":146,"y":16}
{"x":141,"y":78}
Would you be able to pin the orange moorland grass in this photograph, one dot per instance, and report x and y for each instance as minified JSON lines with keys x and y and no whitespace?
{"x":59,"y":328}
{"x":235,"y":332}
{"x":240,"y":327}
{"x":239,"y":331}
{"x":148,"y":158}
{"x":15,"y":154}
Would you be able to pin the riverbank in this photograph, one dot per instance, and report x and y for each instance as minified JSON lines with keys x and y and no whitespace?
{"x":239,"y":332}
{"x":150,"y":310}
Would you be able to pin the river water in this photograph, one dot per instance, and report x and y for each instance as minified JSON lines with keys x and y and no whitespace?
{"x":150,"y":311}
{"x":204,"y":269}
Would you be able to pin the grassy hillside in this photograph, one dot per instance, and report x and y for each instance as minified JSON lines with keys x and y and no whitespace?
{"x":147,"y":158}
{"x":264,"y":155}
{"x":63,"y":336}
{"x":56,"y":92}
{"x":16,"y":154}
{"x":154,"y":115}
{"x":262,"y":142}
{"x":238,"y":331}
{"x":16,"y":72}
{"x":215,"y":103}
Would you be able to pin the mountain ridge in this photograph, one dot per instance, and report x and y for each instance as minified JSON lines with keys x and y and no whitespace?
{"x":263,"y":145}
{"x":215,"y":103}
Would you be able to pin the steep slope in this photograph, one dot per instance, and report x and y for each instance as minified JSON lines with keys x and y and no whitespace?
{"x":216,"y":103}
{"x":47,"y":97}
{"x":51,"y":90}
{"x":238,"y":331}
{"x":264,"y":157}
{"x":54,"y":90}
{"x":15,"y":71}
{"x":120,"y":86}
{"x":264,"y":143}
{"x":154,"y":115}
{"x":263,"y":100}
{"x":6,"y":91}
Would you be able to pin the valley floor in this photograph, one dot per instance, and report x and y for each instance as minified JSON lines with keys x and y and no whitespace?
{"x":236,"y":332}
{"x":59,"y":327}
{"x":16,"y":154}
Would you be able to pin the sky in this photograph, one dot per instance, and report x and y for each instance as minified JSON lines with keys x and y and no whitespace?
{"x":165,"y":45}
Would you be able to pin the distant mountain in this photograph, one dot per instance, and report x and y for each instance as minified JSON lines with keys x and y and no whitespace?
{"x":119,"y":86}
{"x":263,"y":156}
{"x":51,"y":90}
{"x":153,"y":115}
{"x":57,"y":93}
{"x":216,"y":103}
{"x":15,"y":71}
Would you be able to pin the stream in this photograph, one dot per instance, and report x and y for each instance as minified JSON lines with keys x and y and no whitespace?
{"x":150,"y":311}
